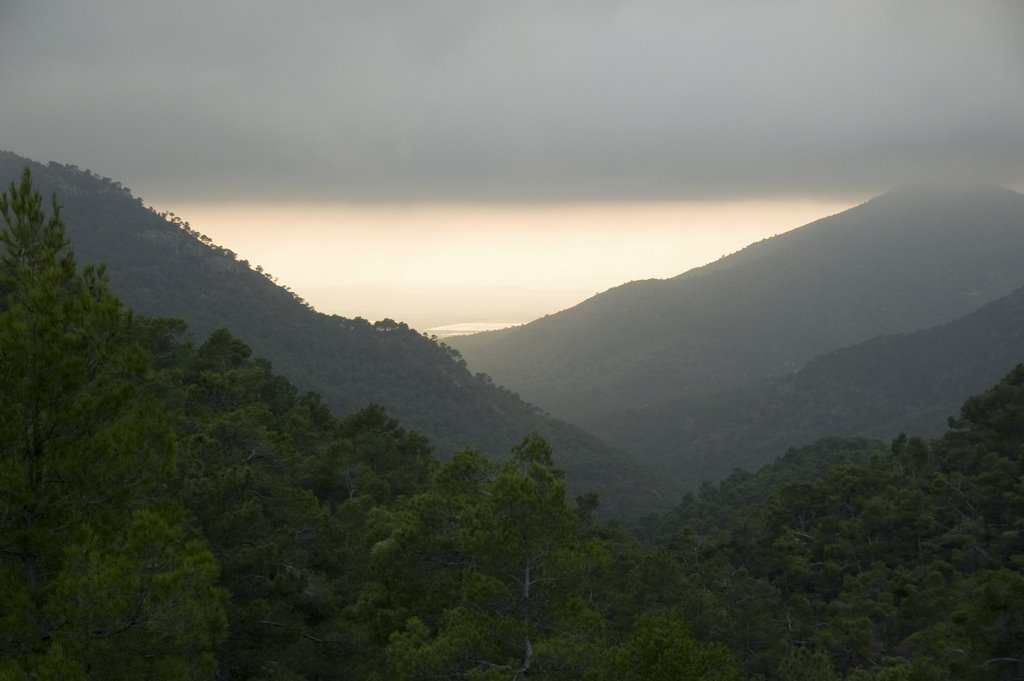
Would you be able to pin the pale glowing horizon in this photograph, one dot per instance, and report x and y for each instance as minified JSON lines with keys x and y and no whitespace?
{"x":434,"y":265}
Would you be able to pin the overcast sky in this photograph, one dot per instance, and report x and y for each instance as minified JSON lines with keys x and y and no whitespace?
{"x":441,"y":161}
{"x":516,"y":101}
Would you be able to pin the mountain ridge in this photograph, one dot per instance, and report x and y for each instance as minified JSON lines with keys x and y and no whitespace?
{"x":158,"y":266}
{"x":907,"y":260}
{"x":910,"y":383}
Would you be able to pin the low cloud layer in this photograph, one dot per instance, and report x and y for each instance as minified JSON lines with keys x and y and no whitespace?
{"x":372,"y":100}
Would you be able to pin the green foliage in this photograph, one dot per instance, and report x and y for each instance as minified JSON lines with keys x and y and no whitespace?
{"x":661,"y":648}
{"x":98,"y":577}
{"x":160,"y":267}
{"x":505,"y":595}
{"x":899,"y":564}
{"x":805,"y":665}
{"x":150,"y":504}
{"x":282,"y":490}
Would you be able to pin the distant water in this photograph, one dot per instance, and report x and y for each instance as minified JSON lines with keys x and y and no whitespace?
{"x":467,"y":328}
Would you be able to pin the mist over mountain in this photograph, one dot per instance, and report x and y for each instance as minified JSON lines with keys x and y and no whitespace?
{"x":913,"y":258}
{"x":178,"y":511}
{"x":159,"y":267}
{"x":692,"y":376}
{"x":891,"y":384}
{"x":808,"y":455}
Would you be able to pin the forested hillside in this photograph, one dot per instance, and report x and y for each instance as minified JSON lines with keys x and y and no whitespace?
{"x":897,"y":565}
{"x":887,"y":385}
{"x":159,"y":267}
{"x":907,"y":260}
{"x":176,"y":511}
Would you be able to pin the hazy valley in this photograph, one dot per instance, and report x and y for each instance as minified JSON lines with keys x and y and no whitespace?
{"x":778,"y":337}
{"x":512,"y":341}
{"x":409,"y":518}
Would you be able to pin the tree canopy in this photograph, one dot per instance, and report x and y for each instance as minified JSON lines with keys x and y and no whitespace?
{"x":175,"y":509}
{"x":99,"y":575}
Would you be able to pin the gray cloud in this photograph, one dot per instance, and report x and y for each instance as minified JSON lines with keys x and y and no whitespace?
{"x":381,"y":100}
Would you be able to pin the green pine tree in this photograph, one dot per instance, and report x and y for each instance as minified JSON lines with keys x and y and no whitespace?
{"x":661,"y":648}
{"x":98,"y":579}
{"x":511,"y":562}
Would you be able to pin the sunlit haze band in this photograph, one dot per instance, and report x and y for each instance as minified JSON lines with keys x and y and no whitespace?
{"x":436,"y":265}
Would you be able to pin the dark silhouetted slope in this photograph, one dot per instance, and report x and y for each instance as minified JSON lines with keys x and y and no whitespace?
{"x":890,"y":384}
{"x":160,"y":268}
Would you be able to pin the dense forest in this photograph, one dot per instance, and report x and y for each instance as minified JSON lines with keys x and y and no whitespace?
{"x":159,"y":266}
{"x":173,"y":509}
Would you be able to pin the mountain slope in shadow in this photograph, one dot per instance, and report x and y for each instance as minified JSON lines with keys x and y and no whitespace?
{"x":908,"y":260}
{"x":159,"y":267}
{"x":909,"y":383}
